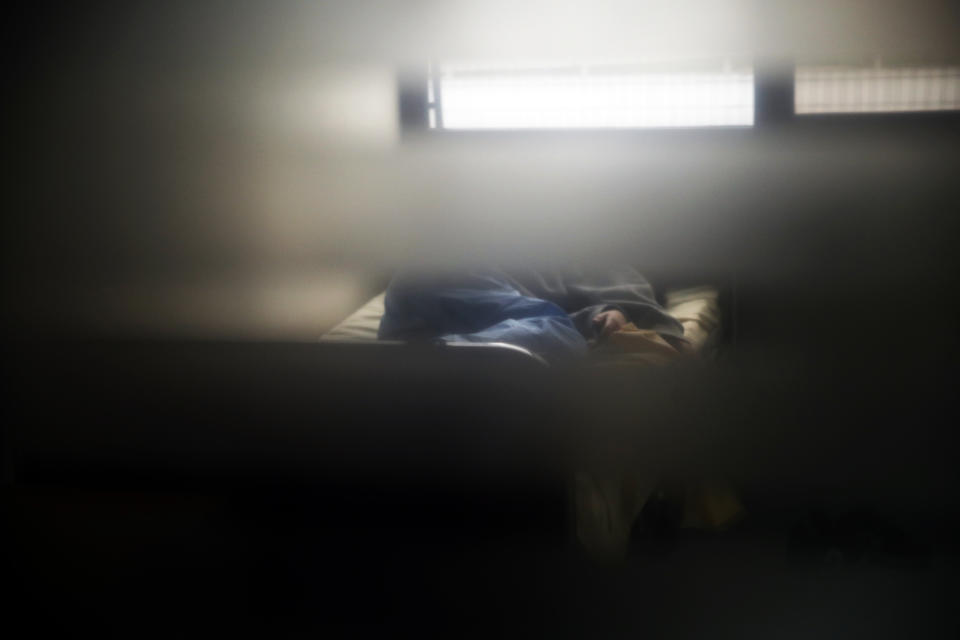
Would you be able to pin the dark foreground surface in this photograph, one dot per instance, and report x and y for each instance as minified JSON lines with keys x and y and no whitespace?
{"x":158,"y":489}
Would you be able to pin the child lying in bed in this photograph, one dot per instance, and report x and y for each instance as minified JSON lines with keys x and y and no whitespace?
{"x":554,"y":314}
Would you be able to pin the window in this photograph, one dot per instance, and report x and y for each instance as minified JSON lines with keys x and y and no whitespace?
{"x":876,"y":88}
{"x":612,"y":94}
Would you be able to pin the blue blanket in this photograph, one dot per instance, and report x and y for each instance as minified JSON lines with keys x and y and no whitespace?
{"x":552,"y":313}
{"x":477,"y":307}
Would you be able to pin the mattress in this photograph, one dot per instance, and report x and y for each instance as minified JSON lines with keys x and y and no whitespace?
{"x":696,"y":308}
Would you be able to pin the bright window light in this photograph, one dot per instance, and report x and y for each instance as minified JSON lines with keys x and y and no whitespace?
{"x":596,"y":95}
{"x":876,"y":88}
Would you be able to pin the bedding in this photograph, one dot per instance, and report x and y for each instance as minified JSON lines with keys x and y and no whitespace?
{"x":478,"y":306}
{"x":558,"y":313}
{"x":696,"y":309}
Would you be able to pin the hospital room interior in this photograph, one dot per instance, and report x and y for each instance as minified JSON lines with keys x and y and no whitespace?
{"x":594,"y":318}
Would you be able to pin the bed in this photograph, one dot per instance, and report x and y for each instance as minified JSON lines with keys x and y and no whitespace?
{"x":602,"y":529}
{"x":696,"y":308}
